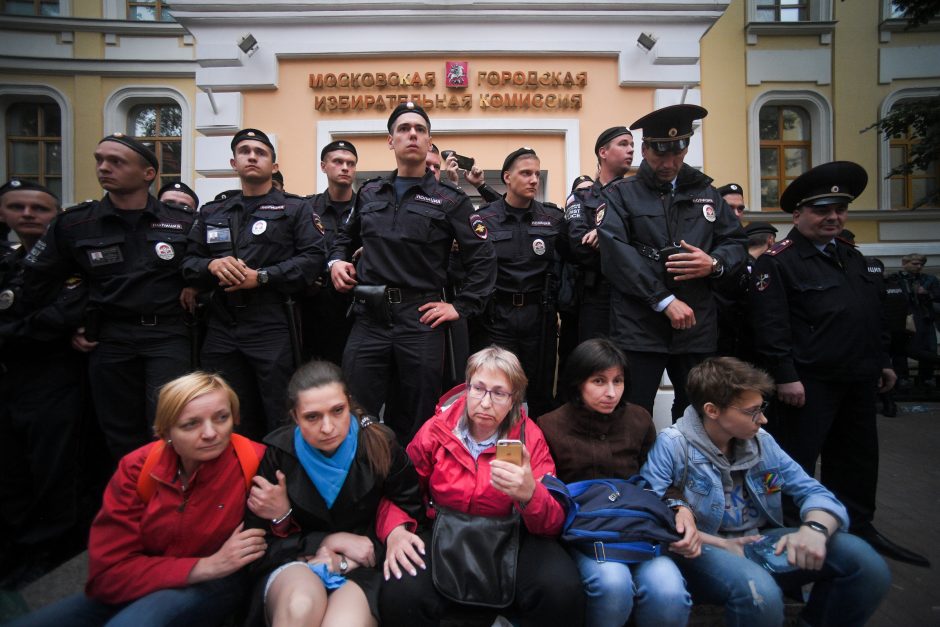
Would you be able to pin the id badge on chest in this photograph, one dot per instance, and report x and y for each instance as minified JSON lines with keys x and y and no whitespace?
{"x":218,"y":235}
{"x":105,"y":256}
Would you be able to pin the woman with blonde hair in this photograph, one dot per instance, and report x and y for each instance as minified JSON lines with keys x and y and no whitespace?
{"x":168,"y":546}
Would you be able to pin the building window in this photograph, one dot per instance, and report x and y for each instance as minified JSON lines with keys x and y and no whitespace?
{"x":785,"y":149}
{"x":783,"y":10}
{"x":34,"y":143}
{"x":917,"y":189}
{"x":160,"y":126}
{"x":149,"y":11}
{"x":30,"y":7}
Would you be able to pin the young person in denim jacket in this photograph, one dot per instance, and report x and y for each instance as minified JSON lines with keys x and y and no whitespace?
{"x":733,"y":474}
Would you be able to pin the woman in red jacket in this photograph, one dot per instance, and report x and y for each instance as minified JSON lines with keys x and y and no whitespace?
{"x":168,"y":545}
{"x":455,"y":456}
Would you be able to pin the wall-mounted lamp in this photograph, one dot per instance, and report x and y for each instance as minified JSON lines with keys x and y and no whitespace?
{"x":248,"y":44}
{"x":645,"y":41}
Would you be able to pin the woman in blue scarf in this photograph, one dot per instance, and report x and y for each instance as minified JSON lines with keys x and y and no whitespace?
{"x":317,"y":493}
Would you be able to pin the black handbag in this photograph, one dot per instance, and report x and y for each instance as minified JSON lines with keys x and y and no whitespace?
{"x":372,"y":297}
{"x":474,"y":558}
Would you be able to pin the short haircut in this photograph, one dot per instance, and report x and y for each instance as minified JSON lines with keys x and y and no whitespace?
{"x":175,"y":395}
{"x":758,"y":239}
{"x":504,"y":361}
{"x":589,"y":357}
{"x":914,"y":257}
{"x":720,"y":380}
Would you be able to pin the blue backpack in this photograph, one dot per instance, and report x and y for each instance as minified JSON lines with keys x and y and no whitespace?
{"x":614,"y":520}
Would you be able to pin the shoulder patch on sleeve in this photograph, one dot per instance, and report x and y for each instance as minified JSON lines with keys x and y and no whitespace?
{"x":478,"y":225}
{"x":779,"y":247}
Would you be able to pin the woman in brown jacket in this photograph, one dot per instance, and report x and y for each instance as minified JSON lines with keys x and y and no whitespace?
{"x":598,"y":434}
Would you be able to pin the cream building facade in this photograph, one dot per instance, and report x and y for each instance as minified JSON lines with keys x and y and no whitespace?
{"x":788,"y":84}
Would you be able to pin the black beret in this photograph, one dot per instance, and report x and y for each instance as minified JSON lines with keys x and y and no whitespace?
{"x":670,"y":124}
{"x":847,"y":235}
{"x":579,"y":180}
{"x":731,"y":188}
{"x":755,"y":228}
{"x":19,"y":185}
{"x":255,"y":134}
{"x":278,"y":176}
{"x":179,"y":186}
{"x":827,"y":184}
{"x":515,"y":154}
{"x":338,"y":145}
{"x":136,"y":145}
{"x":407,"y":107}
{"x":608,"y":135}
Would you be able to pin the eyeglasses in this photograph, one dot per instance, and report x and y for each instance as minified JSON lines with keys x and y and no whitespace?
{"x":498,"y":397}
{"x":753,"y":413}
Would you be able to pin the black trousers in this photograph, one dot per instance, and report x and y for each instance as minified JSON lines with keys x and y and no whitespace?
{"x":533,"y":336}
{"x":40,"y":418}
{"x":594,"y":317}
{"x":838,"y":423}
{"x":376,"y":350}
{"x":646,"y":373}
{"x":254,"y":355}
{"x":325,"y":324}
{"x":126,"y":371}
{"x":548,"y":590}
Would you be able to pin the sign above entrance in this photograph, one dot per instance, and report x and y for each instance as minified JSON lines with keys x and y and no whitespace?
{"x":519,"y":89}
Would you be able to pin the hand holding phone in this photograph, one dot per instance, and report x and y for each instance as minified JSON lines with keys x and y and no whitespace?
{"x":509,"y":451}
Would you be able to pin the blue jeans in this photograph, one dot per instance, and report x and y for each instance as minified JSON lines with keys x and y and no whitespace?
{"x":207,"y":603}
{"x":848,"y":588}
{"x":610,"y":587}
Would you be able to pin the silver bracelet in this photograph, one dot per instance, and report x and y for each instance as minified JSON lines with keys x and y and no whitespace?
{"x":278,"y":521}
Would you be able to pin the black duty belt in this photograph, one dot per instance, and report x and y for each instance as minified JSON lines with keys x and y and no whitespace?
{"x":519,"y":299}
{"x":145,"y":320}
{"x":395,"y":295}
{"x":647,"y":251}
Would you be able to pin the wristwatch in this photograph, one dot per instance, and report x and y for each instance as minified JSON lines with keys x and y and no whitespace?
{"x":263,"y":277}
{"x":717,"y":267}
{"x":343,"y":565}
{"x":816,"y":526}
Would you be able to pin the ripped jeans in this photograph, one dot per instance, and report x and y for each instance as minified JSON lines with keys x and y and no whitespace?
{"x":848,"y":589}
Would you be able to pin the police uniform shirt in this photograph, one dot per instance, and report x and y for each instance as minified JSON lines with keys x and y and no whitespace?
{"x":130,"y":259}
{"x":643,"y":216}
{"x":22,"y":330}
{"x":332,"y":214}
{"x":817,"y":314}
{"x":581,"y":211}
{"x":277,"y":232}
{"x":406,"y":242}
{"x":527,"y":241}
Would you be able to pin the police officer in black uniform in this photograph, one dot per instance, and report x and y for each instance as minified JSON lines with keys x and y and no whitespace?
{"x":405,"y":224}
{"x":665,"y":236}
{"x":614,"y":150}
{"x":529,"y":238}
{"x":180,"y":193}
{"x":820,"y":332}
{"x":325,"y":323}
{"x":734,"y":196}
{"x":257,"y":251}
{"x":40,"y":395}
{"x":128,"y":248}
{"x":734,"y":327}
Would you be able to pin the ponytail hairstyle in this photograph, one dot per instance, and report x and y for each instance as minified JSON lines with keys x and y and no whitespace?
{"x":376,"y":438}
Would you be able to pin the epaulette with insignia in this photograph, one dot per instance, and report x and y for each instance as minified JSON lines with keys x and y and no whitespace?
{"x":290,"y":195}
{"x":82,"y":205}
{"x":846,"y":242}
{"x":449,"y":185}
{"x":551,"y":205}
{"x":779,"y":247}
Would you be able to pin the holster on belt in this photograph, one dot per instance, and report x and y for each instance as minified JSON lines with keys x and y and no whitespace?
{"x":660,"y":255}
{"x":372,"y":297}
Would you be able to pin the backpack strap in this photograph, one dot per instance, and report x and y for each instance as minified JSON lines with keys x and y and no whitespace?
{"x":247,"y":458}
{"x":244,"y":451}
{"x":145,"y":483}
